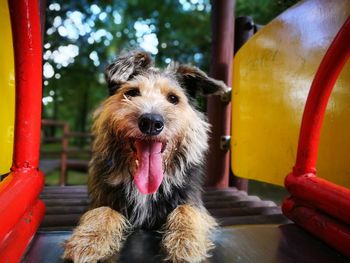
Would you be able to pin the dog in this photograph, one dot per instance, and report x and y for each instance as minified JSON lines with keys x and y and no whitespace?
{"x":146,"y":170}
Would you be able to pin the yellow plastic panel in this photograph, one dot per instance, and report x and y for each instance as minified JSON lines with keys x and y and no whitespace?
{"x":272,"y":75}
{"x":7,"y":90}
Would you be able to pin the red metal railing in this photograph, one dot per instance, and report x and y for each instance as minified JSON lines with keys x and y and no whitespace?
{"x":319,"y":206}
{"x":21,"y":211}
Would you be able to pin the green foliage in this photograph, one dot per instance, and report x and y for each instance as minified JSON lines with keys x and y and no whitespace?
{"x":81,"y":37}
{"x":101,"y":30}
{"x":262,"y":11}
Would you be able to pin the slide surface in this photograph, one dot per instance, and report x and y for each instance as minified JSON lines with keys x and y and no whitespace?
{"x":7,"y":90}
{"x":272,"y":76}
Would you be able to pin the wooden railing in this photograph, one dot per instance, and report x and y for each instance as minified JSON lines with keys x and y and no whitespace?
{"x":65,"y":150}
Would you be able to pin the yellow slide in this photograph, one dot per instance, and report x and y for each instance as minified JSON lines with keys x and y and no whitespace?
{"x":7,"y":90}
{"x":272,"y":76}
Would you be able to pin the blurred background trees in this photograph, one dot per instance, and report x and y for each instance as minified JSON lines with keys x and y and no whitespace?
{"x":81,"y":37}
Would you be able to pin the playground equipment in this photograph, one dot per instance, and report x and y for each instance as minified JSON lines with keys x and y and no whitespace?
{"x":271,"y":80}
{"x":319,"y":206}
{"x":7,"y":106}
{"x":284,"y":55}
{"x":272,"y":76}
{"x":21,"y":211}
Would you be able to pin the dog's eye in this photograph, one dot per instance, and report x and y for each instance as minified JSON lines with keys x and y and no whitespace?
{"x":133,"y":92}
{"x":173,"y":99}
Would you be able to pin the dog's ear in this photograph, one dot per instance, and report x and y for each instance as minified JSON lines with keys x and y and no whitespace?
{"x":125,"y":67}
{"x":196,"y":81}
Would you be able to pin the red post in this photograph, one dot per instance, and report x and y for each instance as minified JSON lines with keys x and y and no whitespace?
{"x":21,"y":209}
{"x":25,"y":20}
{"x":327,"y":228}
{"x":19,"y":238}
{"x":317,"y":205}
{"x":321,"y":88}
{"x":219,"y":113}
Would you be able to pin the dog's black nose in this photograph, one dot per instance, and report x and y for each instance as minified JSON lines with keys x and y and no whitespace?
{"x":151,"y":124}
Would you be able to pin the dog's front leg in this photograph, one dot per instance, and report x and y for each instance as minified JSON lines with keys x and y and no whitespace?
{"x":99,"y":235}
{"x":187,"y":234}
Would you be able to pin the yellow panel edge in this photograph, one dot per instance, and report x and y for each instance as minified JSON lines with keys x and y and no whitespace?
{"x":7,"y":95}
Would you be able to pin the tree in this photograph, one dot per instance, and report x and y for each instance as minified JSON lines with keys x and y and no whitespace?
{"x":262,"y":11}
{"x":83,"y":36}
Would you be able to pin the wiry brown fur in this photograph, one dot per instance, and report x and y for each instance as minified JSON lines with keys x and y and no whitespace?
{"x":100,"y":233}
{"x":185,"y":135}
{"x":186,"y":236}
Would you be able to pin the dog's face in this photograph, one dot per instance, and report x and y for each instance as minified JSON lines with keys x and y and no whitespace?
{"x":149,"y":113}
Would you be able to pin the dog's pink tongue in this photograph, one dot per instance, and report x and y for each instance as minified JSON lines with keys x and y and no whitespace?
{"x":149,"y":173}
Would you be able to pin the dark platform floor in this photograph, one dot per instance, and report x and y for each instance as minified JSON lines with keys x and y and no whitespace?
{"x":246,"y":244}
{"x":252,"y":231}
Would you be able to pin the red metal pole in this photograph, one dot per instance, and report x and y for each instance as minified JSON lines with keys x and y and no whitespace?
{"x":25,"y":20}
{"x":20,"y":208}
{"x":20,"y":237}
{"x":321,"y":194}
{"x":219,"y":113}
{"x":331,"y":231}
{"x":321,"y":88}
{"x":16,"y":198}
{"x":317,"y":205}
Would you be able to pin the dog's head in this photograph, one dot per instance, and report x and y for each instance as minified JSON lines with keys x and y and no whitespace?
{"x":149,"y":123}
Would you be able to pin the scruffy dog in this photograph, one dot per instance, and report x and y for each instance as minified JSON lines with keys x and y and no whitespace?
{"x":146,"y":170}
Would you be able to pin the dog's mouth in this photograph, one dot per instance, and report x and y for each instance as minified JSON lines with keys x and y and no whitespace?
{"x":148,"y":174}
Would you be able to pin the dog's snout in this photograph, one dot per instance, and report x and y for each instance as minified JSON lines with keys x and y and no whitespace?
{"x":151,"y":124}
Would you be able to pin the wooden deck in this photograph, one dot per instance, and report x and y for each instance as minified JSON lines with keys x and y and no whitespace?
{"x":65,"y":205}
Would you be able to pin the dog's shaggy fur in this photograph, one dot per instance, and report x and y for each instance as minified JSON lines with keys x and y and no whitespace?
{"x":137,"y":88}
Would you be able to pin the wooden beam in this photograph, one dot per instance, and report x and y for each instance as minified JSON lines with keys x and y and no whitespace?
{"x":219,"y":113}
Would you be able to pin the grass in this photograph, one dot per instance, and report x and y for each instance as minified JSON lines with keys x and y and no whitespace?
{"x":74,"y":178}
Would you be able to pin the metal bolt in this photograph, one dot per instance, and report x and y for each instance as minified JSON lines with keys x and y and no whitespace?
{"x":226,"y":96}
{"x":225,"y":142}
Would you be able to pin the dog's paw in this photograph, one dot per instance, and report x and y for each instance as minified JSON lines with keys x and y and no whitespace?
{"x":186,"y":249}
{"x":98,"y":237}
{"x":187,"y":235}
{"x":83,"y":249}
